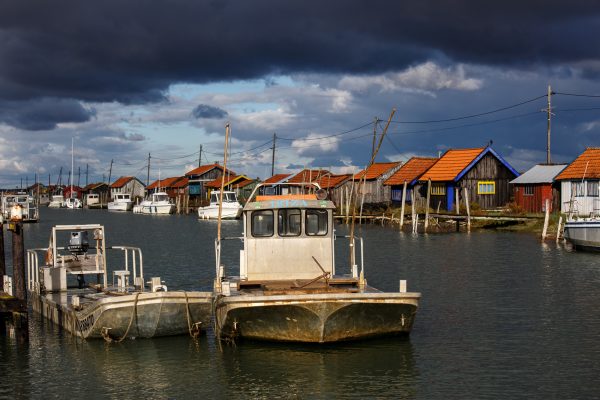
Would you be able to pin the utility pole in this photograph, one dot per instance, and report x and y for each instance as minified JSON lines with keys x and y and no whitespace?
{"x":110,"y":172}
{"x":87,"y":167}
{"x":374,"y":135}
{"x":199,"y":157}
{"x":549,"y":111}
{"x":59,"y":180}
{"x":148,"y":176}
{"x":273,"y":158}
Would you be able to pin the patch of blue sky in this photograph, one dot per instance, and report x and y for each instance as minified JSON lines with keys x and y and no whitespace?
{"x":190,"y":91}
{"x":252,"y":107}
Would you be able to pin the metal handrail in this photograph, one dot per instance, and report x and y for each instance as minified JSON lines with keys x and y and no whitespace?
{"x":33,"y":265}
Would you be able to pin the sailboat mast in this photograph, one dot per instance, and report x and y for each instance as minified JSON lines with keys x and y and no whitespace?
{"x":72,"y":166}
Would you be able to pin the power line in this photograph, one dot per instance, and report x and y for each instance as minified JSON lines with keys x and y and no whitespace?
{"x":577,"y":94}
{"x":328,"y":136}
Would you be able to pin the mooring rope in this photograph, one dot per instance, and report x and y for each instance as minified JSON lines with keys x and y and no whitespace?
{"x":106,"y":334}
{"x":196,"y":331}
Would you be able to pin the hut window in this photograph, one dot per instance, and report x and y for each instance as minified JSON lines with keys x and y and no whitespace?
{"x":486,"y":187}
{"x":528,"y":190}
{"x":592,"y":188}
{"x":262,"y":223}
{"x":577,"y":189}
{"x":289,"y":222}
{"x":437,"y":190}
{"x":316,"y":222}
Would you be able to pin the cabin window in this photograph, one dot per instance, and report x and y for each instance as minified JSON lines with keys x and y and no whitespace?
{"x":577,"y":189}
{"x":528,"y":190}
{"x":437,"y":190}
{"x":262,"y":223}
{"x":289,"y":222}
{"x":214,"y":198}
{"x":316,"y":222}
{"x":592,"y":188}
{"x":486,"y":187}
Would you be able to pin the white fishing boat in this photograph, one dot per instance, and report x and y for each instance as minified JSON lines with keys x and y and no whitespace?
{"x":73,"y":203}
{"x":583,"y":233}
{"x":120,"y":304}
{"x":288,"y":287}
{"x":57,"y":201}
{"x":231,"y":208}
{"x":27,"y":207}
{"x":121,"y":202}
{"x":158,"y":203}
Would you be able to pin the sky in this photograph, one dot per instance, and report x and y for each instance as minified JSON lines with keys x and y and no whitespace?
{"x":128,"y":81}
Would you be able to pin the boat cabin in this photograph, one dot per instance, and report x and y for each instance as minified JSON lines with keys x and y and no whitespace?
{"x":228,"y":197}
{"x":287,"y":237}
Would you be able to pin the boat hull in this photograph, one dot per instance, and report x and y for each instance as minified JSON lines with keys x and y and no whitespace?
{"x":155,"y":209}
{"x":120,"y":206}
{"x":212,"y":212}
{"x":584,"y":234}
{"x":320,"y":318}
{"x":143,"y":315}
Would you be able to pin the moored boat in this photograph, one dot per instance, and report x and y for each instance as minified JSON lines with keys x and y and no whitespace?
{"x":27,"y":207}
{"x":583,"y":233}
{"x":288,"y":288}
{"x":123,"y":308}
{"x":121,"y":202}
{"x":57,"y":201}
{"x":231,"y":208}
{"x":73,"y":203}
{"x":158,"y":203}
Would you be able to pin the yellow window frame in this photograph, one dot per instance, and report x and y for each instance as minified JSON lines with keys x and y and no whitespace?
{"x":438,"y":190}
{"x":486,"y":187}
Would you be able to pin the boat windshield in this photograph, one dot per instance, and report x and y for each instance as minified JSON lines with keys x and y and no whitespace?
{"x":161,"y":197}
{"x":22,"y":199}
{"x":214,"y":198}
{"x":229,"y":197}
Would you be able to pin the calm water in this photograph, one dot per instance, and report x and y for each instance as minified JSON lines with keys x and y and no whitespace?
{"x":502,"y":316}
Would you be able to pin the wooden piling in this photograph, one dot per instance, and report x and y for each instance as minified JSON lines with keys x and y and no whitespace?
{"x":2,"y":259}
{"x":546,"y":219}
{"x":457,"y":201}
{"x":18,"y":251}
{"x":402,"y":207}
{"x":427,"y":205}
{"x":413,"y":213}
{"x":558,"y":228}
{"x":468,"y":208}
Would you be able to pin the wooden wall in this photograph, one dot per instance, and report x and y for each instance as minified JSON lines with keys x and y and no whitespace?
{"x":489,"y":168}
{"x":536,"y":203}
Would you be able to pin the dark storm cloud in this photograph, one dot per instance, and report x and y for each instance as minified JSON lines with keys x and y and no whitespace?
{"x":43,"y":113}
{"x":208,"y":112}
{"x":131,"y":51}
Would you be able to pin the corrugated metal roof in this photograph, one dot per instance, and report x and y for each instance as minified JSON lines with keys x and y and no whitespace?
{"x":451,"y":164}
{"x":587,"y":165}
{"x":376,"y":170}
{"x":411,"y":170}
{"x":539,"y":174}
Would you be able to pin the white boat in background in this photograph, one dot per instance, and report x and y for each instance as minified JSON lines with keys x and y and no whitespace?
{"x":92,"y":199}
{"x":583,"y":233}
{"x":121,"y":202}
{"x":158,"y":203}
{"x":73,"y":203}
{"x":120,"y":305}
{"x":231,"y":208}
{"x":57,"y":201}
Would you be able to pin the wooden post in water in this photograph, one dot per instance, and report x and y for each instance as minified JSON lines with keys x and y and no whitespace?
{"x":468,"y":208}
{"x":402,"y":207}
{"x":427,"y":205}
{"x":414,"y":212}
{"x":18,"y":252}
{"x":558,"y":228}
{"x":2,"y":259}
{"x":457,"y":201}
{"x":546,"y":219}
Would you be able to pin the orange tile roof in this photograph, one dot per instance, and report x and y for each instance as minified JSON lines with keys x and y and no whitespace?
{"x":164,"y":183}
{"x":376,"y":170}
{"x":244,"y":183}
{"x":182,"y":182}
{"x":411,"y":170}
{"x":332,"y":181}
{"x":122,"y":181}
{"x":205,"y":168}
{"x":307,"y":175}
{"x":587,"y":165}
{"x":277,"y":178}
{"x":451,"y":164}
{"x":229,"y":180}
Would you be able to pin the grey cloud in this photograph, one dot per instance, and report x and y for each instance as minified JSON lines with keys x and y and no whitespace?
{"x":208,"y":112}
{"x":43,"y":114}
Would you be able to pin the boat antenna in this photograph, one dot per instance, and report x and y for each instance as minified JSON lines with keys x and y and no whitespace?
{"x":354,"y":193}
{"x":227,"y":133}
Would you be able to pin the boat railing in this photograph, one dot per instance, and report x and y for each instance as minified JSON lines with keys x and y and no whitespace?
{"x":355,"y":271}
{"x":133,"y":264}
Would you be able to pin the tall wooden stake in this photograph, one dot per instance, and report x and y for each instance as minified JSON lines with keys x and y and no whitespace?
{"x":427,"y":206}
{"x":467,"y":207}
{"x":546,"y":219}
{"x":273,"y":157}
{"x":403,"y":204}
